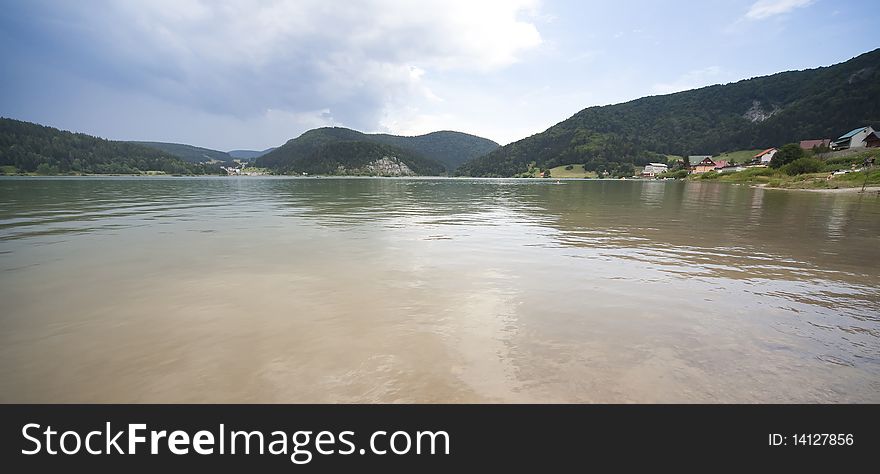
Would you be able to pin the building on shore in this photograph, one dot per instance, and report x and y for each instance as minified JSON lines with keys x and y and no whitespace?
{"x":854,"y":139}
{"x":764,"y":157}
{"x":810,"y":144}
{"x":704,"y":166}
{"x":694,"y":160}
{"x":653,"y":169}
{"x":873,"y":140}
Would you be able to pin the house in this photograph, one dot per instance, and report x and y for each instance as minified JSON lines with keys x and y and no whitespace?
{"x":653,"y":169}
{"x":853,"y":139}
{"x":705,"y":165}
{"x":873,"y":140}
{"x":764,"y":157}
{"x":694,"y":160}
{"x":720,"y":163}
{"x":810,"y":144}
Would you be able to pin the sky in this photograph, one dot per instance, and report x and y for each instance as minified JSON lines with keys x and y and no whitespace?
{"x":253,"y":74}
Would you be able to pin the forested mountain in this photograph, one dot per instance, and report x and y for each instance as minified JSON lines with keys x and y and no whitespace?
{"x":189,"y":153}
{"x":341,"y":151}
{"x":751,"y":114}
{"x":366,"y":159}
{"x":448,"y":148}
{"x":30,"y":147}
{"x":248,"y":154}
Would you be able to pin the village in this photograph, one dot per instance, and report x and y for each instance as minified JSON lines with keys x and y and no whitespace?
{"x":856,"y":140}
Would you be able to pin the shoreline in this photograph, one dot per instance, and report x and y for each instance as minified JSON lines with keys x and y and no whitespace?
{"x":857,"y":190}
{"x":873,"y":189}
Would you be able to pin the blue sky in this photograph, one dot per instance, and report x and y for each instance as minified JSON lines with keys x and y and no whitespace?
{"x":253,"y":74}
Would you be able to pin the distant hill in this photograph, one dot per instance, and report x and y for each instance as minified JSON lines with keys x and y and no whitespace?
{"x":248,"y":154}
{"x":751,"y":114}
{"x":447,"y":148}
{"x":346,"y":152}
{"x":189,"y":153}
{"x":30,"y":147}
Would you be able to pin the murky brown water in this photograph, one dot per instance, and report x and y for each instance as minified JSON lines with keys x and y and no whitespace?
{"x":391,"y":290}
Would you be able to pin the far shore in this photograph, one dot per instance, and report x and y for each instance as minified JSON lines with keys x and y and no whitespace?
{"x":873,"y":189}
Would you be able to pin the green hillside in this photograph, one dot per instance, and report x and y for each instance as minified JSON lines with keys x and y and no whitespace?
{"x":362,"y":158}
{"x":341,"y":151}
{"x":450,"y":149}
{"x":189,"y":153}
{"x":751,"y":114}
{"x":28,"y":147}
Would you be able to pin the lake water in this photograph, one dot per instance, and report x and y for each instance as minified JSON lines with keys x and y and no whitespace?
{"x":435,"y":290}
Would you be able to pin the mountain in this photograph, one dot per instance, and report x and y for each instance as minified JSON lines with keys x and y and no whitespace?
{"x":344,"y":151}
{"x":751,"y":114}
{"x":30,"y":147}
{"x":447,"y":148}
{"x":189,"y":153}
{"x":248,"y":154}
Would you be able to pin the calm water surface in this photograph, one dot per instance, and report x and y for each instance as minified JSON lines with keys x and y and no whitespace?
{"x":398,"y":290}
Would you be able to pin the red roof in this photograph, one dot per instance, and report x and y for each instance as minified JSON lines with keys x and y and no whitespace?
{"x":763,"y":152}
{"x":721,"y":163}
{"x":810,"y":144}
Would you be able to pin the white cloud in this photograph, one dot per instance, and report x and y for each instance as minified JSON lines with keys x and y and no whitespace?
{"x":354,"y":59}
{"x":766,"y":8}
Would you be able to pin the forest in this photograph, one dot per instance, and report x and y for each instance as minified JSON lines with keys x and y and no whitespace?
{"x":751,"y":114}
{"x":31,"y":148}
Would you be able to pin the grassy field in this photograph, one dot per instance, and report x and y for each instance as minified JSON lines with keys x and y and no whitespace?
{"x":776,"y":179}
{"x":576,"y":171}
{"x":739,"y":157}
{"x":8,"y":170}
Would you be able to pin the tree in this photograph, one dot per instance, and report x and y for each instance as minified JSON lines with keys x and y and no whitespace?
{"x":626,"y":170}
{"x":46,"y":169}
{"x":802,"y":165}
{"x":786,"y":155}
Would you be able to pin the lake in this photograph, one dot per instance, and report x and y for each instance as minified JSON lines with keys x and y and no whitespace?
{"x":435,"y":290}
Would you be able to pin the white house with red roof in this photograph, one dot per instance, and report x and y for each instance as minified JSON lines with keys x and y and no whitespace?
{"x":765,"y":156}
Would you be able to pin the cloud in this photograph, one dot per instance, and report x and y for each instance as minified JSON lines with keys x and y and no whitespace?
{"x":348,"y":60}
{"x":690,"y":80}
{"x":766,"y":8}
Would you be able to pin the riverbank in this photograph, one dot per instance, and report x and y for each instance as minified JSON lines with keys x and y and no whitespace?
{"x":843,"y":173}
{"x":867,"y":190}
